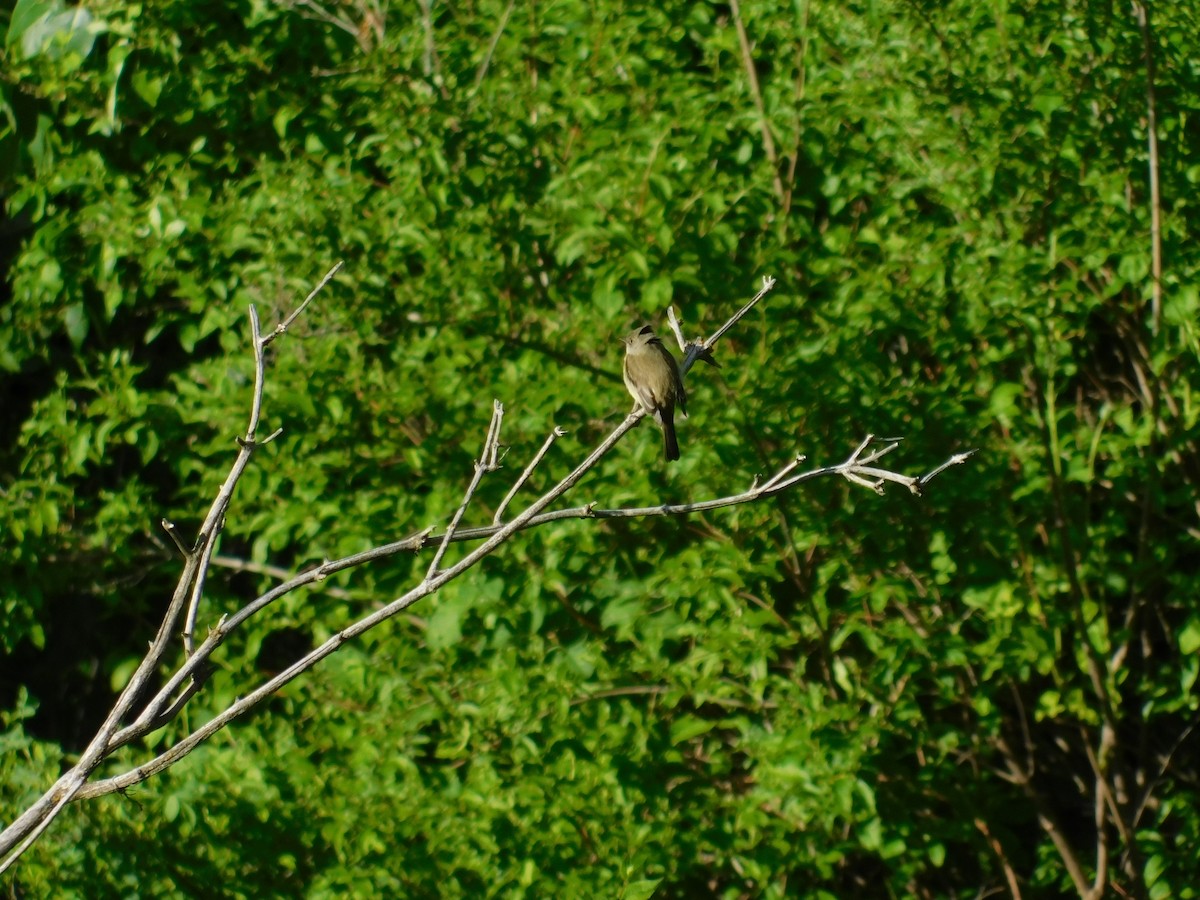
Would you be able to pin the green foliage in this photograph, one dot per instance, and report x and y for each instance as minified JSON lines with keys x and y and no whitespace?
{"x":828,"y":694}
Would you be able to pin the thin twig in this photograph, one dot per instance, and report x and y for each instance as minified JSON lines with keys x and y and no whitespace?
{"x":524,"y":477}
{"x":677,"y":328}
{"x":1047,"y":821}
{"x":800,"y":96}
{"x":785,"y":471}
{"x":707,"y":344}
{"x":1102,"y":800}
{"x":39,"y":830}
{"x":485,"y":463}
{"x":1014,"y":888}
{"x":703,"y":353}
{"x":756,"y":92}
{"x":283,"y":326}
{"x":777,"y":484}
{"x":310,"y":9}
{"x":197,"y":592}
{"x":260,"y":375}
{"x":634,"y":690}
{"x":13,"y":840}
{"x":279,"y":573}
{"x":246,"y":446}
{"x":173,"y":532}
{"x":956,"y":460}
{"x":431,"y":63}
{"x":481,"y":72}
{"x":1164,"y":764}
{"x":1141,"y":12}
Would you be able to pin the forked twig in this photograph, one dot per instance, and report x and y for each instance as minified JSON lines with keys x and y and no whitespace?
{"x":19,"y":834}
{"x":554,"y":435}
{"x":486,"y":463}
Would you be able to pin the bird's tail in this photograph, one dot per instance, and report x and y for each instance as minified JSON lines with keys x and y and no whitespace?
{"x":670,"y":445}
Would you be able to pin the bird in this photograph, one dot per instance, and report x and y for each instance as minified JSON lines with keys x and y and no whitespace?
{"x":652,"y":378}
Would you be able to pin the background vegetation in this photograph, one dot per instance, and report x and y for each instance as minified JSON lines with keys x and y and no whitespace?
{"x":989,"y":690}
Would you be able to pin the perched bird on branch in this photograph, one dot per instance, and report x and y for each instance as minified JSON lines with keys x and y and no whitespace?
{"x":652,"y":377}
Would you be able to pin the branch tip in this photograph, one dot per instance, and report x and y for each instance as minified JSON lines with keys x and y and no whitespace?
{"x":173,"y":532}
{"x":486,"y":463}
{"x":957,"y":459}
{"x":283,"y":326}
{"x":554,"y":435}
{"x":677,"y":328}
{"x":255,"y":325}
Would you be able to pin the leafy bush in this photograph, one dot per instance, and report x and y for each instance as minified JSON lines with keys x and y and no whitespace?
{"x":828,"y":694}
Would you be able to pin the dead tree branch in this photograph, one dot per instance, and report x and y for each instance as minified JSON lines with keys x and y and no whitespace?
{"x":127,"y":723}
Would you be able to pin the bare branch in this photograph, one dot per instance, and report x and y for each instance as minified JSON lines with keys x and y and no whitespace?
{"x":189,"y":621}
{"x":1164,"y":764}
{"x":486,"y":463}
{"x":481,"y":72}
{"x":957,"y":459}
{"x":216,"y":517}
{"x":196,"y":665}
{"x":756,"y":92}
{"x":277,"y":572}
{"x":1010,"y":875}
{"x":519,"y":483}
{"x":1049,"y":824}
{"x":39,"y":829}
{"x":283,"y":326}
{"x":704,"y":354}
{"x":15,"y":838}
{"x":173,"y":532}
{"x":695,"y":350}
{"x":775,"y":485}
{"x":427,"y":586}
{"x":677,"y":328}
{"x":784,"y":472}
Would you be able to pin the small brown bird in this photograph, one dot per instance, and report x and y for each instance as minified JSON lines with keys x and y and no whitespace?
{"x":652,"y":377}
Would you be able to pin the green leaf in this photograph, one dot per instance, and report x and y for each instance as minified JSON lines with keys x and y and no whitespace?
{"x":445,"y":626}
{"x":1189,"y":637}
{"x":686,"y":728}
{"x":640,"y":890}
{"x":76,"y":320}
